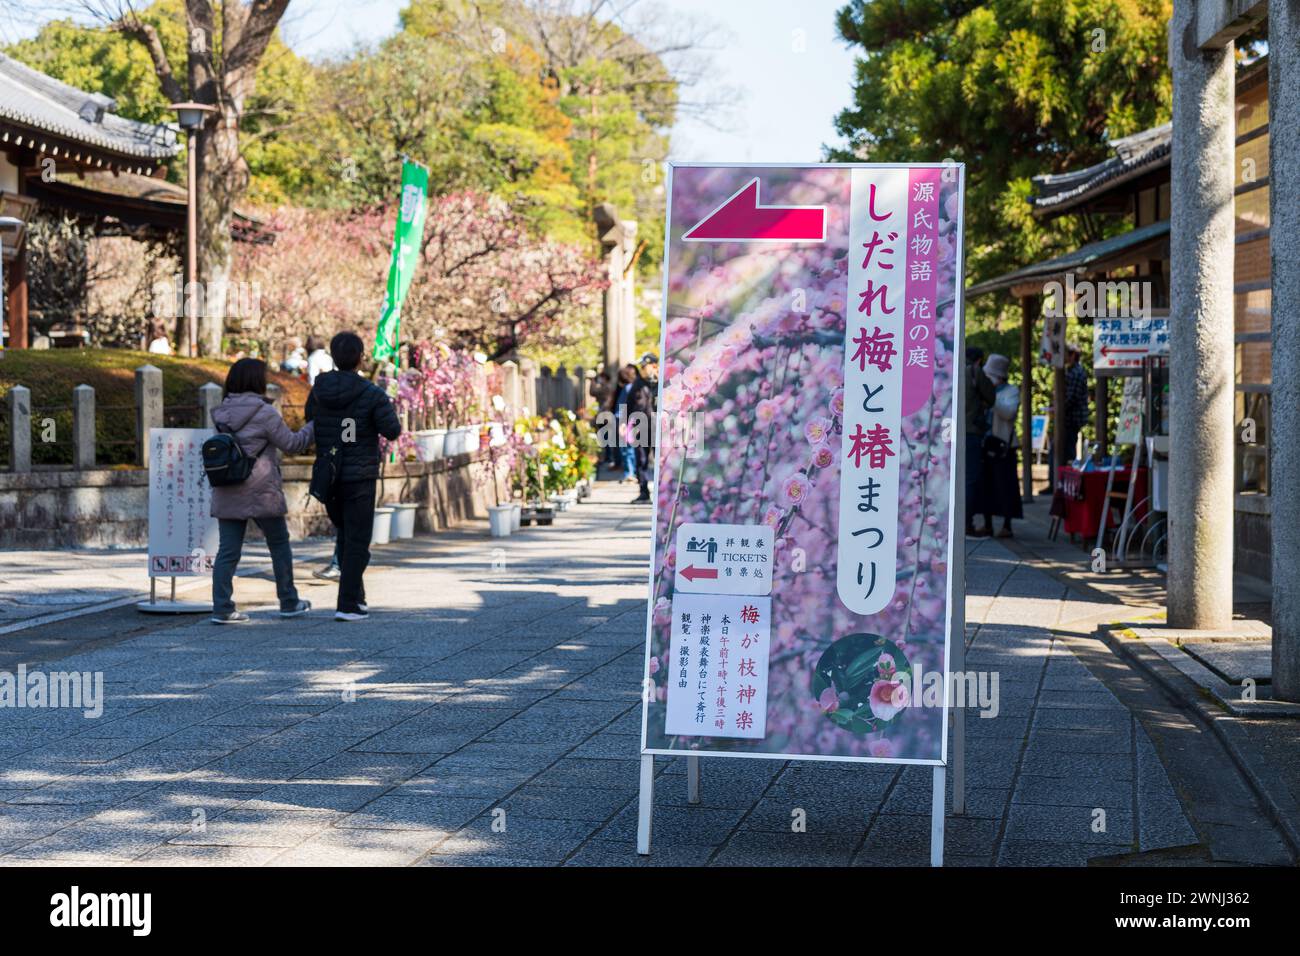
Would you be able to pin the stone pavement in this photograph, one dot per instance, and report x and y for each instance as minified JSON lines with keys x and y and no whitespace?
{"x":488,"y":714}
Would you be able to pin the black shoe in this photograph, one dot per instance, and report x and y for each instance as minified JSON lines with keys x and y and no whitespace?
{"x":641,"y":500}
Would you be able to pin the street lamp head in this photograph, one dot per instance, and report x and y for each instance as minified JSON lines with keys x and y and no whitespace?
{"x":192,"y":114}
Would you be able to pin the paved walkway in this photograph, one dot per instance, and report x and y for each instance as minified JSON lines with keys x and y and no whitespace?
{"x":488,"y":714}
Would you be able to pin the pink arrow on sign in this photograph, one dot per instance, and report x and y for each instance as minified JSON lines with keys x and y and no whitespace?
{"x":742,"y":219}
{"x":692,"y":572}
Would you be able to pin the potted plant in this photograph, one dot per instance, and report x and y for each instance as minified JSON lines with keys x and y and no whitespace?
{"x":501,"y":517}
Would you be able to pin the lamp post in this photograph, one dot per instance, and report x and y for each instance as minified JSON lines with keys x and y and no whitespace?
{"x":192,"y":117}
{"x":7,"y":224}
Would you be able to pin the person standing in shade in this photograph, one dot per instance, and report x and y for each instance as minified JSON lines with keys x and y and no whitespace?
{"x":601,"y":389}
{"x":980,"y":393}
{"x":621,"y":405}
{"x":1076,"y":400}
{"x":647,"y":402}
{"x":247,"y":414}
{"x":350,"y":415}
{"x":998,"y":491}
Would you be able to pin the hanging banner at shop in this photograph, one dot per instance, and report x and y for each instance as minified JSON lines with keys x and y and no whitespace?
{"x":182,"y":532}
{"x":801,"y":599}
{"x":406,"y":256}
{"x":1129,"y":429}
{"x":1122,"y":343}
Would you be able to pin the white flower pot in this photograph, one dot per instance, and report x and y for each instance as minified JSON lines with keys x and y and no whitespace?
{"x":404,"y":520}
{"x":383,"y":528}
{"x":516,"y":512}
{"x":471,"y":439}
{"x":560,"y":502}
{"x":431,"y":444}
{"x":501,"y":520}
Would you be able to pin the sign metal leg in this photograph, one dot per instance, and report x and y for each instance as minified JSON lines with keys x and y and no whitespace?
{"x":692,"y":779}
{"x":959,"y":730}
{"x":936,"y":818}
{"x":646,"y":804}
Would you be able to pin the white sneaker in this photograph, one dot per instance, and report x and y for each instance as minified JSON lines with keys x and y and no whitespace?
{"x":302,"y":608}
{"x":365,"y":608}
{"x":234,"y":617}
{"x":350,"y":615}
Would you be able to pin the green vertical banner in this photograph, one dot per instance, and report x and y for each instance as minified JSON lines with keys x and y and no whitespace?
{"x":406,"y":255}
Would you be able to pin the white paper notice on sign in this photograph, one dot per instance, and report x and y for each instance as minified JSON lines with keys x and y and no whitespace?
{"x":717,"y":680}
{"x":724,"y":559}
{"x":183,"y":535}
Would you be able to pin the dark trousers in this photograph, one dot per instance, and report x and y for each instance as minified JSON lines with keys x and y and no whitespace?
{"x":351,"y":506}
{"x":974,"y":462}
{"x":276,"y":532}
{"x":644,"y":469}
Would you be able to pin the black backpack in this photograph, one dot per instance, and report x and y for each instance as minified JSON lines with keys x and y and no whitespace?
{"x":224,"y":461}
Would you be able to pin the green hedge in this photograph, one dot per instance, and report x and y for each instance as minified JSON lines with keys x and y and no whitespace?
{"x":53,"y":374}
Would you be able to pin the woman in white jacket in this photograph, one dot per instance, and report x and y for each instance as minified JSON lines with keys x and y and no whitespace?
{"x":998,"y":490}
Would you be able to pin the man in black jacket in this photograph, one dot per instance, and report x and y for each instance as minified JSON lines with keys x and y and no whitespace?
{"x":350,"y":415}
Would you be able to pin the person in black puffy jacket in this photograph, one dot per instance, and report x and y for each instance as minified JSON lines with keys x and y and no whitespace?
{"x":349,"y":415}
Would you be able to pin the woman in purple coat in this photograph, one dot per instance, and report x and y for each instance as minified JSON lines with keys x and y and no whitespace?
{"x":248,"y":415}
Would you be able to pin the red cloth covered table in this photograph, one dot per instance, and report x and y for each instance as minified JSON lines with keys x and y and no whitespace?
{"x":1083,"y":511}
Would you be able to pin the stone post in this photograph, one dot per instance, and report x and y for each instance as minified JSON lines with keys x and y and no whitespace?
{"x":209,"y":398}
{"x":148,"y":409}
{"x":510,"y":387}
{"x":1201,"y":367}
{"x":276,"y":394}
{"x":543,"y":398}
{"x":527,"y":387}
{"x":563,"y":389}
{"x":1284,"y":250}
{"x":83,"y":427}
{"x":19,"y":400}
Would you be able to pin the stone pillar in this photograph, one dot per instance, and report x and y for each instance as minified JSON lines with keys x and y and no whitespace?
{"x":618,"y":239}
{"x":1027,"y":311}
{"x":19,"y":400}
{"x":1284,"y":250}
{"x":1201,"y":368}
{"x":148,"y":409}
{"x":83,"y":427}
{"x":209,"y":398}
{"x":276,"y":394}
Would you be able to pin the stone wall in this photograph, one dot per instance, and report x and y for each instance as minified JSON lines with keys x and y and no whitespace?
{"x":108,"y":508}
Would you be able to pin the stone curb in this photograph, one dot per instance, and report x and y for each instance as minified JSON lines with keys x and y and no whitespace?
{"x":1272,"y":794}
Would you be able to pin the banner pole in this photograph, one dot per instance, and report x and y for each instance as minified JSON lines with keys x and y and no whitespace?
{"x":646,"y":804}
{"x":936,"y":817}
{"x":693,"y":779}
